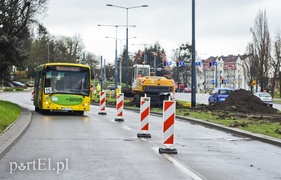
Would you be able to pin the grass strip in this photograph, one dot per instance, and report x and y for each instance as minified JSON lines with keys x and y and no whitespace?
{"x":9,"y":112}
{"x":264,"y":126}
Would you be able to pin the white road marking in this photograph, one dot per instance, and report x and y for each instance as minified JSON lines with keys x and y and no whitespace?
{"x":127,"y":128}
{"x":180,"y":166}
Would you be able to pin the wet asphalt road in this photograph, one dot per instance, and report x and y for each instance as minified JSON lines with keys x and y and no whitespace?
{"x":97,"y":147}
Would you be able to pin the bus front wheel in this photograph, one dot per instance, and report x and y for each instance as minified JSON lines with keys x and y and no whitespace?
{"x":80,"y":113}
{"x":36,"y":109}
{"x":43,"y":111}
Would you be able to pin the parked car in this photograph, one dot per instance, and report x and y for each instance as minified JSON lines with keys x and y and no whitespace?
{"x":17,"y":84}
{"x":30,"y":84}
{"x":219,"y":95}
{"x":187,"y":90}
{"x":111,"y":87}
{"x":265,"y":97}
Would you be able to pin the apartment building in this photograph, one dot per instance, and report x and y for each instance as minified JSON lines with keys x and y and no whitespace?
{"x":224,"y":71}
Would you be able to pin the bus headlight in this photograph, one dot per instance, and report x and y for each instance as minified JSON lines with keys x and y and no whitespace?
{"x":47,"y":103}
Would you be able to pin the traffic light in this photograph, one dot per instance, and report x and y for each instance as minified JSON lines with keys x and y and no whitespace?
{"x":210,"y":63}
{"x":222,"y":80}
{"x":165,"y":63}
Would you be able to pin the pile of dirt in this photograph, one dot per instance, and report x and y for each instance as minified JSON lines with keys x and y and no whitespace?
{"x":244,"y":102}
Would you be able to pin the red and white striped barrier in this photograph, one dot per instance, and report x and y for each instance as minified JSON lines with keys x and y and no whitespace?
{"x":144,"y":117}
{"x":102,"y":103}
{"x":168,"y":138}
{"x":119,"y":107}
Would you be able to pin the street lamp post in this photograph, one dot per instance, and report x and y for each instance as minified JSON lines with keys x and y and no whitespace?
{"x":121,"y":61}
{"x":116,"y":71}
{"x":120,"y":73}
{"x":120,"y":64}
{"x":127,"y":42}
{"x":193,"y":93}
{"x":101,"y":73}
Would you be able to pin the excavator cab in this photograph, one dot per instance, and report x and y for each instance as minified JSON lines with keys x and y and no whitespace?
{"x":155,"y":85}
{"x":141,"y":71}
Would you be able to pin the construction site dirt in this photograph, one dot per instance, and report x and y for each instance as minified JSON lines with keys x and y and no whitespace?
{"x":244,"y":103}
{"x":239,"y":104}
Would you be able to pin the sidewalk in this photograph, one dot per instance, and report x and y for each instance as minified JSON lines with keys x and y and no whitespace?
{"x":14,"y":132}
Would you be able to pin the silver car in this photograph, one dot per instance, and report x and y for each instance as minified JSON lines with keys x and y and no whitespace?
{"x":265,"y":97}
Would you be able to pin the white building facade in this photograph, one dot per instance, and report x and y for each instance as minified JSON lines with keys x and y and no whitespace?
{"x":225,"y":71}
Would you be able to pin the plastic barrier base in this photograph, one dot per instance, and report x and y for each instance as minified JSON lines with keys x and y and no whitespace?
{"x":102,"y":113}
{"x":143,"y":135}
{"x":119,"y":119}
{"x":168,"y":151}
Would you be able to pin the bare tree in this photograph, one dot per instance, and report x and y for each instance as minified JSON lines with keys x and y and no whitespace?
{"x":182,"y":73}
{"x":276,"y":63}
{"x":260,"y":51}
{"x":250,"y":65}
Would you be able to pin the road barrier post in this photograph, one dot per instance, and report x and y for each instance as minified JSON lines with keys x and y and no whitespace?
{"x":144,"y":117}
{"x":168,"y":138}
{"x":102,"y":103}
{"x":119,"y":107}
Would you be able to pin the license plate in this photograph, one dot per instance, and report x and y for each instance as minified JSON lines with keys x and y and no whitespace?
{"x":66,"y":108}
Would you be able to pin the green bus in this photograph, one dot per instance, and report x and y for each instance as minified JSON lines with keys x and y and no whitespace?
{"x":62,"y":87}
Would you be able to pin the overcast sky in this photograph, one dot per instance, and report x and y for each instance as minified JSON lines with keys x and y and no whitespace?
{"x":222,"y":26}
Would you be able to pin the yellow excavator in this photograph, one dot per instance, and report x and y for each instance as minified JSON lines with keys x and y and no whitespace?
{"x":156,"y":85}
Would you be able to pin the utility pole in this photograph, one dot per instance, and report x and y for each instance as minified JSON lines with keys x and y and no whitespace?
{"x":154,"y":65}
{"x":101,"y":72}
{"x":104,"y":74}
{"x":205,"y":81}
{"x":120,"y":73}
{"x":127,"y":42}
{"x":116,"y":65}
{"x":216,"y":75}
{"x":83,"y":59}
{"x":280,"y":82}
{"x":48,"y":52}
{"x":193,"y":78}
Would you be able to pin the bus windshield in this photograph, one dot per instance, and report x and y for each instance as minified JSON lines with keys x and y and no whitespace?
{"x":67,"y":80}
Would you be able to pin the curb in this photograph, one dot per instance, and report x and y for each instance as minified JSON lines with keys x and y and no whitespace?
{"x":14,"y":132}
{"x":256,"y":136}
